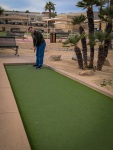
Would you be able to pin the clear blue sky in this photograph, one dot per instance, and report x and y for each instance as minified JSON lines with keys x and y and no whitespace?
{"x":61,"y":6}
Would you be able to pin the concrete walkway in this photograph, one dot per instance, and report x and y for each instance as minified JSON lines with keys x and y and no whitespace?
{"x":12,"y":133}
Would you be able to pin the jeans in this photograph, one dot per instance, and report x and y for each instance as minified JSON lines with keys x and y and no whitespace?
{"x":40,"y":54}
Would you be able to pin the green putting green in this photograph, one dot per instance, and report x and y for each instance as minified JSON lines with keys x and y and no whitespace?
{"x":59,"y":113}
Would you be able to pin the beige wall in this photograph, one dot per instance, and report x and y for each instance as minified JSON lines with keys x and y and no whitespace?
{"x":67,"y":27}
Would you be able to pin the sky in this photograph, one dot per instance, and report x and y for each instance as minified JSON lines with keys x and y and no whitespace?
{"x":61,"y":6}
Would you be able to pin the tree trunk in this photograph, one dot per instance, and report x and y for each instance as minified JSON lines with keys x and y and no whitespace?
{"x":49,"y":13}
{"x":79,"y":57}
{"x":84,"y":46}
{"x":91,"y":30}
{"x":107,"y":41}
{"x":101,"y":58}
{"x":91,"y":57}
{"x":111,"y":2}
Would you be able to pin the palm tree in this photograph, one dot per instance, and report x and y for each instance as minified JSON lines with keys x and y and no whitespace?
{"x":78,"y":20}
{"x":74,"y":41}
{"x":100,"y":36}
{"x":111,"y":2}
{"x":107,"y":15}
{"x":101,"y":4}
{"x":49,"y":6}
{"x":1,"y":10}
{"x":88,"y":4}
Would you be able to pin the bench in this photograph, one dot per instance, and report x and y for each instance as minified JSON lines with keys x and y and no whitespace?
{"x":40,"y":30}
{"x":15,"y":33}
{"x":8,"y":42}
{"x":62,"y":34}
{"x":15,"y":29}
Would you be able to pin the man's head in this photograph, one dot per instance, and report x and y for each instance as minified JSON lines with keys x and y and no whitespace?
{"x":30,"y":29}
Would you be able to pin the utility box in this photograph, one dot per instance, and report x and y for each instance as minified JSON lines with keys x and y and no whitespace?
{"x":52,"y":37}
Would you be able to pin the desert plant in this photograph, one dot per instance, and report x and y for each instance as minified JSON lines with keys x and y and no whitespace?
{"x":88,"y":4}
{"x":74,"y":40}
{"x":101,"y":58}
{"x":100,"y":36}
{"x":108,"y":29}
{"x":92,"y":43}
{"x":106,"y":82}
{"x":101,"y":4}
{"x":79,"y":20}
{"x":107,"y":15}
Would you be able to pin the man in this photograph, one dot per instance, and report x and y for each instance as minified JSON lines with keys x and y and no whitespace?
{"x":39,"y":46}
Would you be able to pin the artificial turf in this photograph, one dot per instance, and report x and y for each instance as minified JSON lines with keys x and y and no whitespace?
{"x":59,"y":113}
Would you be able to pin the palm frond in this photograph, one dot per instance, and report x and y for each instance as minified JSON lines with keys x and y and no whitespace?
{"x":73,"y":39}
{"x":92,"y":39}
{"x":78,"y":19}
{"x":49,"y":6}
{"x":106,"y":14}
{"x":100,"y":36}
{"x":102,"y":17}
{"x":86,"y":3}
{"x":82,"y":4}
{"x":101,"y":3}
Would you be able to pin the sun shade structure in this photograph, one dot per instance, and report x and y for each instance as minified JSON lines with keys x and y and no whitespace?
{"x":60,"y":22}
{"x":42,"y":22}
{"x":56,"y":19}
